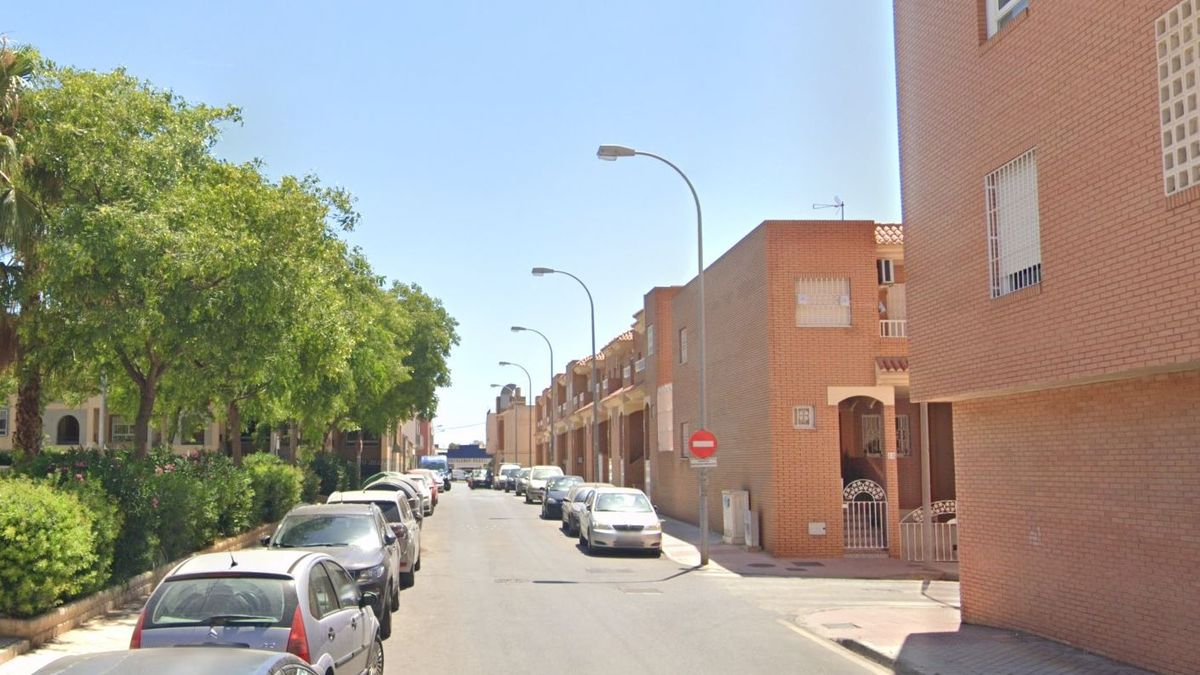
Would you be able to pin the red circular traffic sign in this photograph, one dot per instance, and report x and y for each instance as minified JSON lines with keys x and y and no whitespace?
{"x":702,"y":444}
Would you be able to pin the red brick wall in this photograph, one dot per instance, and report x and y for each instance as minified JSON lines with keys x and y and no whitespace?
{"x":1078,"y":83}
{"x":1078,"y":514}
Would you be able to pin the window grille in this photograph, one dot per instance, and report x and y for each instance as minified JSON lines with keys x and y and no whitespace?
{"x":903,"y":439}
{"x":872,"y":435}
{"x":639,"y":365}
{"x":1177,"y":35}
{"x":683,"y":345}
{"x":804,"y":417}
{"x":663,"y":409}
{"x":822,"y":303}
{"x":122,"y":431}
{"x":1014,"y":233}
{"x":685,"y":432}
{"x":1001,"y":12}
{"x":650,"y":340}
{"x":3,"y":421}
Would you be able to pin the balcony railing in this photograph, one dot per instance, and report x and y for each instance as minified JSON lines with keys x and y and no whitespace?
{"x":893,"y":328}
{"x":639,"y":365}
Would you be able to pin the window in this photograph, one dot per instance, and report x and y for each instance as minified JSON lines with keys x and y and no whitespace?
{"x":1178,"y":40}
{"x":804,"y":417}
{"x":3,"y":421}
{"x":683,"y":345}
{"x":1014,"y":234}
{"x":663,"y":414}
{"x":685,"y":430}
{"x":322,"y":599}
{"x":1001,"y":12}
{"x":822,"y":303}
{"x":872,"y":435}
{"x":903,"y":442}
{"x":347,"y":590}
{"x":885,"y":270}
{"x":122,"y":431}
{"x":650,"y":340}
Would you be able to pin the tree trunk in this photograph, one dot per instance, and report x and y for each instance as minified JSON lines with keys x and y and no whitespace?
{"x":233,"y":432}
{"x":293,"y":442}
{"x":141,"y":431}
{"x":28,"y":434}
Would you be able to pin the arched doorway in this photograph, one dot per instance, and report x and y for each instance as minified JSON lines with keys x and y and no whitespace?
{"x":864,"y":473}
{"x":68,"y":431}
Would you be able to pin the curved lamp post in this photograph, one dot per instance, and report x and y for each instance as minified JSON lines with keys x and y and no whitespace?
{"x":543,"y":271}
{"x":612,"y":153}
{"x":528,"y":410}
{"x":519,"y":329}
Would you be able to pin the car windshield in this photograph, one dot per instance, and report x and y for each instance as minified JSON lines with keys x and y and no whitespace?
{"x":509,"y":472}
{"x":562,"y":483}
{"x":623,"y":502}
{"x":221,"y":601}
{"x":582,"y":495}
{"x":546,"y":473}
{"x":327,"y":530}
{"x":391,"y":512}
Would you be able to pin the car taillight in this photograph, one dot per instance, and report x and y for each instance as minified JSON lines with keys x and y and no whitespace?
{"x":135,"y":642}
{"x":298,"y":637}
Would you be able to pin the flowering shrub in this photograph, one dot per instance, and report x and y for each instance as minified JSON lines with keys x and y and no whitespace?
{"x":229,"y":489}
{"x":47,"y":546}
{"x":107,"y":522}
{"x":334,"y":472}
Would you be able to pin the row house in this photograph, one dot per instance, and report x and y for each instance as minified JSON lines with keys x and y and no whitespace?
{"x":72,"y":425}
{"x":1050,"y":165}
{"x":807,"y":378}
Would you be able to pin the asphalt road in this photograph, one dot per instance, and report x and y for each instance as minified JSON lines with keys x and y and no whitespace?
{"x":502,"y":591}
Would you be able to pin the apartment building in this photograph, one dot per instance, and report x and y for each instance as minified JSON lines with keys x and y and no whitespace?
{"x":807,"y":379}
{"x":65,"y":424}
{"x":510,"y":428}
{"x":1050,"y":163}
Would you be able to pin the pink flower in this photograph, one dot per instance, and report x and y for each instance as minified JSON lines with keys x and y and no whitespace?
{"x":158,"y":471}
{"x":154,"y":502}
{"x":79,"y":477}
{"x":169,"y":467}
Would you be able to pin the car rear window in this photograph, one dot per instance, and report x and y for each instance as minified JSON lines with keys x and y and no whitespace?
{"x":203,"y":601}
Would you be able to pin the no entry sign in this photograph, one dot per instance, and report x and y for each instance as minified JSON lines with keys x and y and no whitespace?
{"x":702,"y":444}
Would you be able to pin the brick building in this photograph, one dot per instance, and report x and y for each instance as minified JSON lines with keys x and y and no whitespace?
{"x":1050,"y":163}
{"x":807,"y":389}
{"x":509,"y":426}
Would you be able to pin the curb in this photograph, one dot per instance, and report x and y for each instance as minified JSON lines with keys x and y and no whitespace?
{"x":14,"y":650}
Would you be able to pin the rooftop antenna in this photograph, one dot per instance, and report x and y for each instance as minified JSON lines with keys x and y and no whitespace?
{"x":837,"y":204}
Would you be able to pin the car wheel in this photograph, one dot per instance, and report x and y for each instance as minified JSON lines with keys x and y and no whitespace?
{"x":385,"y":625}
{"x":527,"y":499}
{"x":407,"y":579}
{"x":582,"y":540}
{"x":591,"y":550}
{"x":417,"y":565}
{"x":375,"y":657}
{"x":395,"y":599}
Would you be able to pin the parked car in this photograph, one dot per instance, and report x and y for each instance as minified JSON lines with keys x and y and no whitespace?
{"x":400,"y":518}
{"x":419,"y":499}
{"x":535,"y":488}
{"x":556,"y":491}
{"x":619,"y":518}
{"x":296,"y":601}
{"x":445,"y":480}
{"x":503,"y":476}
{"x":458,"y":474}
{"x":182,"y":661}
{"x":520,"y":481}
{"x":574,"y":502}
{"x":358,"y":537}
{"x":431,"y":485}
{"x":480,"y":478}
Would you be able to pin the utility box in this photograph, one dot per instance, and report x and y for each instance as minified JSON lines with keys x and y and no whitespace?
{"x":734,"y":505}
{"x":752,"y":535}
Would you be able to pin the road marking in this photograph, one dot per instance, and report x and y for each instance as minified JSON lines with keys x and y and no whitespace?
{"x":836,"y":648}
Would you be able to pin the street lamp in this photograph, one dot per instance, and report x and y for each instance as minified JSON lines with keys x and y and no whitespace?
{"x":541,"y":272}
{"x":518,"y":329}
{"x":507,"y":363}
{"x":612,"y":153}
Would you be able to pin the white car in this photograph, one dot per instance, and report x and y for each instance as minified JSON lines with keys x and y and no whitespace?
{"x":620,"y":518}
{"x":406,"y":483}
{"x":400,"y":518}
{"x":536,"y":489}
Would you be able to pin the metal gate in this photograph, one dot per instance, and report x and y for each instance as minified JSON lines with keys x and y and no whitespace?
{"x":945,"y":533}
{"x":864,"y":515}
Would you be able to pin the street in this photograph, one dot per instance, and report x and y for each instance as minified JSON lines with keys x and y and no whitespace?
{"x":503,"y":591}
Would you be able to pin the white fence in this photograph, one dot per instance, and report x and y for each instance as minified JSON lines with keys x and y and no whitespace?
{"x":945,"y":534}
{"x":893,"y":328}
{"x":864,"y":515}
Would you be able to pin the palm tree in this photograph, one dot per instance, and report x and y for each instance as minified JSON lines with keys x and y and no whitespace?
{"x":21,"y":229}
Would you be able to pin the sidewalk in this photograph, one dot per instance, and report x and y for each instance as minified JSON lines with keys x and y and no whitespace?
{"x":104,"y":633}
{"x":911,"y":625}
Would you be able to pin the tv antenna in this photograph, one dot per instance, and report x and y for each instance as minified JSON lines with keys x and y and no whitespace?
{"x":837,"y":204}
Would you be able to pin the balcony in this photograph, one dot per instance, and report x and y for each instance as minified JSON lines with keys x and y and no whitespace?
{"x":893,"y":328}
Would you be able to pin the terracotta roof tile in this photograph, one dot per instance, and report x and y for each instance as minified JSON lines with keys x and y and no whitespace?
{"x":892,"y":364}
{"x":889,"y":234}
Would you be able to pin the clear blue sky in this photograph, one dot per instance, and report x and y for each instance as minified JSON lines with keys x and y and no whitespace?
{"x":468,"y":130}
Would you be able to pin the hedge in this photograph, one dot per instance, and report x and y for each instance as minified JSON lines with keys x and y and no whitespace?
{"x":277,"y":486}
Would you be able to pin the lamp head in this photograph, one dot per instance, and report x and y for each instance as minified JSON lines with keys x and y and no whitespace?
{"x":610,"y":153}
{"x":542,"y":271}
{"x":505,"y":363}
{"x":518,"y":329}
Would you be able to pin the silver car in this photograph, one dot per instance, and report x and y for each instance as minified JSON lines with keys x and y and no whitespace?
{"x":536,"y":488}
{"x":520,"y":481}
{"x":301,"y":602}
{"x":573,"y":504}
{"x":180,"y":661}
{"x":400,"y":518}
{"x":409,"y":484}
{"x":619,"y":518}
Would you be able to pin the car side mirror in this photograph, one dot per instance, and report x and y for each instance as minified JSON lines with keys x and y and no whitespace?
{"x":264,"y":540}
{"x":399,"y":530}
{"x":389,"y":538}
{"x":368,"y":599}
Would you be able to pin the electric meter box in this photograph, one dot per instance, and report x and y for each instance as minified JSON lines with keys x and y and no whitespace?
{"x":734,"y":505}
